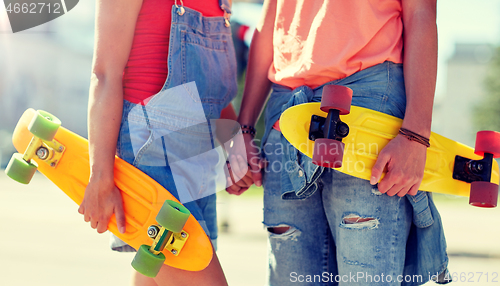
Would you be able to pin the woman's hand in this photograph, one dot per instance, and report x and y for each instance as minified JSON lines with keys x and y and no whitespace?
{"x":102,"y":199}
{"x":240,"y":176}
{"x":245,"y":172}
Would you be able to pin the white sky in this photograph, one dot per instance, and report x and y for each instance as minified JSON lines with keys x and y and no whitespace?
{"x":465,"y":21}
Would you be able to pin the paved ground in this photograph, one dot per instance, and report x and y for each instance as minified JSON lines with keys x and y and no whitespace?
{"x":44,"y":241}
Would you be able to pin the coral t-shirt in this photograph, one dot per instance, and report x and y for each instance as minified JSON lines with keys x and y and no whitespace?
{"x":319,"y":41}
{"x":146,"y":69}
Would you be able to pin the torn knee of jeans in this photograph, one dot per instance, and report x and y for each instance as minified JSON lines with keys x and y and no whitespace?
{"x":283,"y":230}
{"x":355,"y":221}
{"x":278,"y":229}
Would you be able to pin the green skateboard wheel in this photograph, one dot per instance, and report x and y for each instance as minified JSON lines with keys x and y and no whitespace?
{"x":44,"y":125}
{"x":147,"y":263}
{"x":20,"y":170}
{"x":173,"y":216}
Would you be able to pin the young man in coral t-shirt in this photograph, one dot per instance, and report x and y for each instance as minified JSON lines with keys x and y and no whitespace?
{"x":323,"y":223}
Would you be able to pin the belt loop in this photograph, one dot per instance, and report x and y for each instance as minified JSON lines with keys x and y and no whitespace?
{"x":180,"y":9}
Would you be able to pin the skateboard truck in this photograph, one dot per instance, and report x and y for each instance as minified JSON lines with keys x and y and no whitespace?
{"x":335,"y":101}
{"x":327,"y":133}
{"x":483,"y":193}
{"x":48,"y":151}
{"x":469,"y":170}
{"x":164,"y":239}
{"x":168,"y":234}
{"x":330,"y":127}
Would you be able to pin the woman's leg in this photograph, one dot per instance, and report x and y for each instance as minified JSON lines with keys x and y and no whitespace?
{"x":212,"y":275}
{"x":140,"y":280}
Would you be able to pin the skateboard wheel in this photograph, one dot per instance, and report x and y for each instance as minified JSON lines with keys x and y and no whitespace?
{"x":488,"y":142}
{"x":147,"y":263}
{"x":20,"y":170}
{"x":44,"y":125}
{"x":483,"y":194}
{"x":173,"y":216}
{"x":336,"y":97}
{"x":328,"y":153}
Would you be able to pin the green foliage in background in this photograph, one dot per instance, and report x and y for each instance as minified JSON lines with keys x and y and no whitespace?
{"x":487,"y":112}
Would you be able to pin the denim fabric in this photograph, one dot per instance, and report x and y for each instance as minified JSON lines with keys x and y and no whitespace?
{"x":170,"y":138}
{"x":380,"y":88}
{"x":405,"y":238}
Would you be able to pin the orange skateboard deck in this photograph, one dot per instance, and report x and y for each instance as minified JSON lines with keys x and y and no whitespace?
{"x":142,"y":196}
{"x":369,"y":132}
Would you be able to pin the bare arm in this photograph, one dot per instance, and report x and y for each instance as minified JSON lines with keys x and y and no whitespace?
{"x":114,"y":32}
{"x":420,"y":63}
{"x":405,"y":159}
{"x":257,"y":86}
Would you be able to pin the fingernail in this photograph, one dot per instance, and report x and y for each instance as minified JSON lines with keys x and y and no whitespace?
{"x":373,"y":180}
{"x":122,"y":229}
{"x":258,"y":183}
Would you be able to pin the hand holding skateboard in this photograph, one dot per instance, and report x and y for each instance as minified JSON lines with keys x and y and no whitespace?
{"x":349,"y":138}
{"x":157,"y":225}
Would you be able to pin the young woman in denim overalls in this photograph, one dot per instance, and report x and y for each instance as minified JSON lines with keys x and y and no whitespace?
{"x":138,"y":94}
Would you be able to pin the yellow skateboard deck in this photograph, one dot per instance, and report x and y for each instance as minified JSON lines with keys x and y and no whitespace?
{"x":143,"y":197}
{"x":369,"y":132}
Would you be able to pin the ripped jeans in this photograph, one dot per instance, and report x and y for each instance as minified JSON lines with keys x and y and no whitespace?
{"x":346,"y":232}
{"x":330,"y":228}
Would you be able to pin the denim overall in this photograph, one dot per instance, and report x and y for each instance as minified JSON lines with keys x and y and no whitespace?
{"x":201,"y":81}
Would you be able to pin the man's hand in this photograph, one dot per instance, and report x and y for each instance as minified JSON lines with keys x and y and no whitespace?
{"x":405,"y":163}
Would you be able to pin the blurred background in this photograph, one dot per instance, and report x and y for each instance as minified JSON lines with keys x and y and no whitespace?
{"x":44,"y":241}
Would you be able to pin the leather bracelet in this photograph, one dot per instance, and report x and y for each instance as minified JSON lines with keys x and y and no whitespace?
{"x":412,"y":136}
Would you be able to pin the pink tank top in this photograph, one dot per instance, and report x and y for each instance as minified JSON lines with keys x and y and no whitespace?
{"x":146,"y":69}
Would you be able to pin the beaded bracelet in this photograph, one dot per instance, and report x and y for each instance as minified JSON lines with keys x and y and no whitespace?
{"x":251,"y":132}
{"x":412,"y":136}
{"x":244,"y":129}
{"x":249,"y":127}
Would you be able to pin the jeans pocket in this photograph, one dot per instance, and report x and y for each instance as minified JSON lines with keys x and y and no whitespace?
{"x":396,"y":93}
{"x":211,"y":63}
{"x":134,"y":133}
{"x":370,"y":99}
